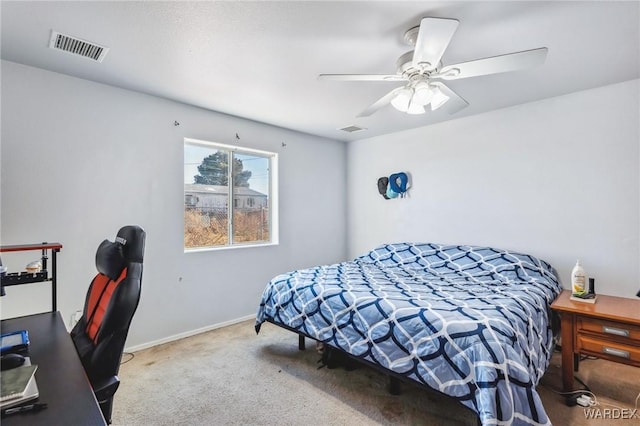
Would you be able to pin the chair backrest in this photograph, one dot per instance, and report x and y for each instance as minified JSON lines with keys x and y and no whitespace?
{"x":112,"y":299}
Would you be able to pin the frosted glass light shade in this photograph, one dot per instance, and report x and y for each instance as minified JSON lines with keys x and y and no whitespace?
{"x":415,"y":107}
{"x":402,"y":100}
{"x":423,"y":93}
{"x":438,"y":98}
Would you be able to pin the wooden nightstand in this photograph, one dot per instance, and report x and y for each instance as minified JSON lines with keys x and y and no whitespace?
{"x":608,"y":329}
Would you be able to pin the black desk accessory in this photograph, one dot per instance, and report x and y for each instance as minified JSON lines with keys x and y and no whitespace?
{"x":28,"y":408}
{"x":10,"y":361}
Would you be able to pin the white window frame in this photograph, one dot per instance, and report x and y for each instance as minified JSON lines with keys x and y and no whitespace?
{"x":272,"y":199}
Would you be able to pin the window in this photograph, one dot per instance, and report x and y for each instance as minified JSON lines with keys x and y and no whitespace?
{"x":229,"y":196}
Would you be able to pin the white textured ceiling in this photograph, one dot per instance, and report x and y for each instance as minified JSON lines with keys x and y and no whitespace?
{"x":260,"y":60}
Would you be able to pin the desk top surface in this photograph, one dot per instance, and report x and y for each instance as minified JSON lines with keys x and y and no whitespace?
{"x":61,"y":379}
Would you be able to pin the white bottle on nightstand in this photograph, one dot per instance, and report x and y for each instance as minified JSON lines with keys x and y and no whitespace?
{"x":578,"y":280}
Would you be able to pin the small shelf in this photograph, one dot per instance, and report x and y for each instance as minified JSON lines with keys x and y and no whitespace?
{"x":26,"y":247}
{"x":19,"y":278}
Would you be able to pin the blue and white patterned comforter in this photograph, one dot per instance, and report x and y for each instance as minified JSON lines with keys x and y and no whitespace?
{"x":470,"y":322}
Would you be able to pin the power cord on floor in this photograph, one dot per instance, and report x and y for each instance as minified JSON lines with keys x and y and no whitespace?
{"x":126,"y":354}
{"x":586,"y":398}
{"x":577,"y":379}
{"x":573,"y":398}
{"x":592,"y":401}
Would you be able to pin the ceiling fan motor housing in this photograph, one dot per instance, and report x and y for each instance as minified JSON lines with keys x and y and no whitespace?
{"x":411,"y":35}
{"x":405,"y":67}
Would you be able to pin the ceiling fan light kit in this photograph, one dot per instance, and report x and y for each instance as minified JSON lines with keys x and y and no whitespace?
{"x":413,"y":99}
{"x":421,"y":69}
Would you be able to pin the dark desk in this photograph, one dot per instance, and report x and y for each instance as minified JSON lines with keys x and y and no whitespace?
{"x":61,"y":379}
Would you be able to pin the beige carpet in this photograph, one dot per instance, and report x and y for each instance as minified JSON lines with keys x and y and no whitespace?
{"x":231,"y":376}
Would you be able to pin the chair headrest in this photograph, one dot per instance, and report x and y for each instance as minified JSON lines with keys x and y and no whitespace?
{"x":132,"y":238}
{"x":109,"y":259}
{"x":112,"y":257}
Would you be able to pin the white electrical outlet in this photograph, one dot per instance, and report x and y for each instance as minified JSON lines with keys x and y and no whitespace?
{"x":75,"y":317}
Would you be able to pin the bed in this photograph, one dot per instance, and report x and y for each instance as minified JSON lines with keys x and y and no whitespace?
{"x":471,"y":322}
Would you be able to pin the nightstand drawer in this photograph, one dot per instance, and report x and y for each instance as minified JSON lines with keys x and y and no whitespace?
{"x":608,"y":349}
{"x":610,"y":329}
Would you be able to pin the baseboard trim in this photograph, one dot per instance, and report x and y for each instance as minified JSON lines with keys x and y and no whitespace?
{"x":190,"y":333}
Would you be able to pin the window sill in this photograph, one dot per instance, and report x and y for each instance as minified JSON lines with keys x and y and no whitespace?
{"x":233,"y":247}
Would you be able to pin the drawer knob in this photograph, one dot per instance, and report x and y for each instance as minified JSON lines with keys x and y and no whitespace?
{"x":616,"y":352}
{"x":617,"y":331}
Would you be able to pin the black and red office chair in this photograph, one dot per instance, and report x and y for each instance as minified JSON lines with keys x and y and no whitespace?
{"x":111,"y":301}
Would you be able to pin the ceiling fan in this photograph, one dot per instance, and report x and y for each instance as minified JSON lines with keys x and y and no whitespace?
{"x":421,"y":69}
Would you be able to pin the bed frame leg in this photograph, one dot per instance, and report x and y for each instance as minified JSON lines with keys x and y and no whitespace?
{"x":301,"y":343}
{"x":395,"y":386}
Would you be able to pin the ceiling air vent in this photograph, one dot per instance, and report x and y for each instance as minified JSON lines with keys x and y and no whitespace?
{"x":351,"y":129}
{"x":77,"y":46}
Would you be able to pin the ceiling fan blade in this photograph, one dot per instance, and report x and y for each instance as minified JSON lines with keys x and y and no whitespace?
{"x":496,"y":64}
{"x":361,"y":77}
{"x":383,"y":101}
{"x":455,"y":102}
{"x":433,"y":38}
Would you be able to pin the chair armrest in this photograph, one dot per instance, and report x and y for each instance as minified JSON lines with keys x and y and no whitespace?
{"x":105,"y":389}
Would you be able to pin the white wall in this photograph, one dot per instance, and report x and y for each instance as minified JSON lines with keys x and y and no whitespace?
{"x":80,"y":159}
{"x":557,"y":179}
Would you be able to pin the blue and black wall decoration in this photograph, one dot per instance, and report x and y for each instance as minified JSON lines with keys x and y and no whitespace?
{"x":393,"y":186}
